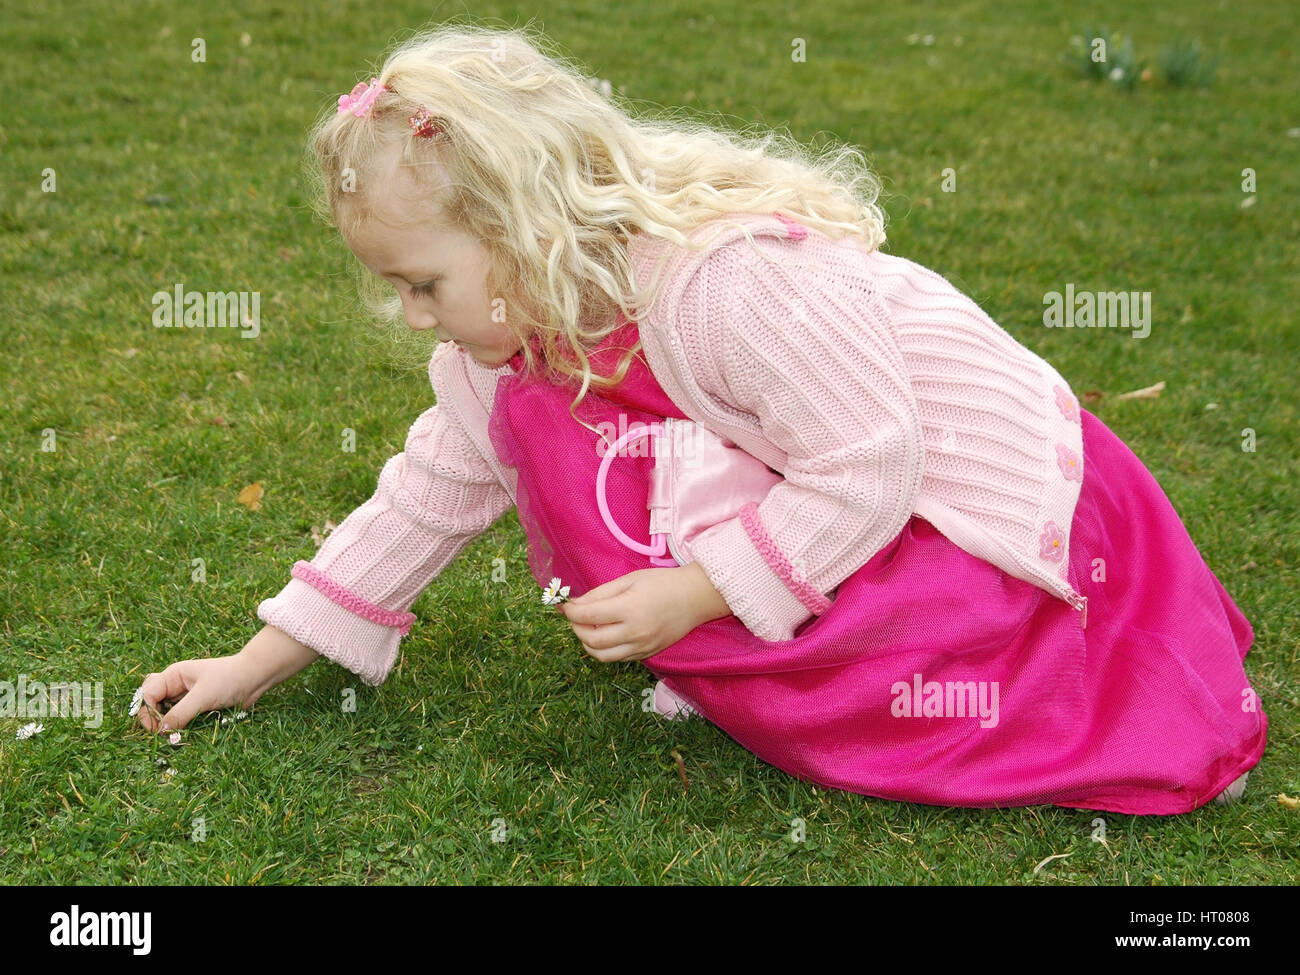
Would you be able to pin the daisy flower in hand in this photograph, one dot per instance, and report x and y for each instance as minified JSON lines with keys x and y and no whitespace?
{"x":553,"y":594}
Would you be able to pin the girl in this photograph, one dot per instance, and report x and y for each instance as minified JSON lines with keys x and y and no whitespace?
{"x":965,"y":590}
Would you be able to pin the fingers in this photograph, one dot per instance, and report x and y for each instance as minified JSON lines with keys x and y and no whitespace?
{"x":601,"y":637}
{"x":623,"y":651}
{"x":152,"y":693}
{"x":182,"y":713}
{"x":170,"y":685}
{"x":611,"y":588}
{"x":592,"y":614}
{"x":599,"y":620}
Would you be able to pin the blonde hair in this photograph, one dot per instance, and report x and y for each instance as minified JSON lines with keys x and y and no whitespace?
{"x":553,"y":178}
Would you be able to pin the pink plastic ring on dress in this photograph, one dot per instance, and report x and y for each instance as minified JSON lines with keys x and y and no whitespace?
{"x":658,"y":545}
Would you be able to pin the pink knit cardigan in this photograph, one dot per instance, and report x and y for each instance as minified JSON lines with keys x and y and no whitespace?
{"x":873,"y":385}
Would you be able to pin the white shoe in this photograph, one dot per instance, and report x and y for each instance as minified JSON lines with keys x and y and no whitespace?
{"x":1233,"y":792}
{"x":669,"y":705}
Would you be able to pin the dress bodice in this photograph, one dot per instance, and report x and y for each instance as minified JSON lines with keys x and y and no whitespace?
{"x":639,"y":388}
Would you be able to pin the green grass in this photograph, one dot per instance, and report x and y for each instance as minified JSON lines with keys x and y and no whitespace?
{"x":493,"y":710}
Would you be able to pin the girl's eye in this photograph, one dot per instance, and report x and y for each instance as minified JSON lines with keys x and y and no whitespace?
{"x":423,"y":290}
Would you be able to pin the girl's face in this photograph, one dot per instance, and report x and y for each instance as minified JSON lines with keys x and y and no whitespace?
{"x":441,"y":276}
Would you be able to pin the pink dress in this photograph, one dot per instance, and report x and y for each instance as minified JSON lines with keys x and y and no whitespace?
{"x":934,"y":677}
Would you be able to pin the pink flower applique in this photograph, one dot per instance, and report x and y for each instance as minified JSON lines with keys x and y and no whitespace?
{"x":1067,"y":404}
{"x":1071,"y":464}
{"x":1051,"y":543}
{"x":361,"y":98}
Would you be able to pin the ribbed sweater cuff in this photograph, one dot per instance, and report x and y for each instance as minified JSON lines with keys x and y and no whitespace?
{"x":756,"y":594}
{"x":366,"y":648}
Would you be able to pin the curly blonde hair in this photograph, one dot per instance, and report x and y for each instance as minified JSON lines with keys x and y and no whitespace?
{"x":554,"y":177}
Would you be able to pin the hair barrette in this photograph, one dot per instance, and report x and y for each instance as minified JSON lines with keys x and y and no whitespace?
{"x":424,"y":125}
{"x":361,"y":99}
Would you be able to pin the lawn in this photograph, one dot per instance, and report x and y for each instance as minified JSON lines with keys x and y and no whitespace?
{"x":498,"y":752}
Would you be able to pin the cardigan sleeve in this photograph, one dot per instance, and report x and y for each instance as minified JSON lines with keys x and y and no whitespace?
{"x":351,"y":602}
{"x":808,"y":354}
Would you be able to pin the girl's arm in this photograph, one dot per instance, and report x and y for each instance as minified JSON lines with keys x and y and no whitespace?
{"x":351,"y":602}
{"x":193,"y":687}
{"x":814,"y":361}
{"x":273,"y":656}
{"x":708,"y":604}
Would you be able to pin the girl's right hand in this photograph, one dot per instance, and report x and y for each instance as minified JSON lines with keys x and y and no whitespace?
{"x":237,"y":680}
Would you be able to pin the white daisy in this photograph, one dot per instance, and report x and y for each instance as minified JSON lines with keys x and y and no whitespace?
{"x":27,"y":730}
{"x":553,"y":594}
{"x":137,"y":701}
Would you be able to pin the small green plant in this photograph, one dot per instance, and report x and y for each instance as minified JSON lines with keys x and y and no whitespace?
{"x":1124,"y":68}
{"x":1098,"y":55}
{"x":1184,"y":64}
{"x":1091,"y":51}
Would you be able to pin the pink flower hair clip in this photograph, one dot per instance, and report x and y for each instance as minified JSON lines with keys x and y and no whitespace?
{"x":361,"y":99}
{"x":424,"y":125}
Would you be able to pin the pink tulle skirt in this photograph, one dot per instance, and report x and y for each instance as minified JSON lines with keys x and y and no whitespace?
{"x":934,"y":677}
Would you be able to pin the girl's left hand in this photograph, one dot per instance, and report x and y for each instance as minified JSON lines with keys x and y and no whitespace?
{"x":638,"y":614}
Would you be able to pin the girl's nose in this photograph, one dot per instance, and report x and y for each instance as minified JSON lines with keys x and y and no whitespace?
{"x":420,"y":322}
{"x":416,"y":319}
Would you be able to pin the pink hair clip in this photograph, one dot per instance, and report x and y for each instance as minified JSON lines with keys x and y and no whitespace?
{"x":362,"y":97}
{"x":424,"y":125}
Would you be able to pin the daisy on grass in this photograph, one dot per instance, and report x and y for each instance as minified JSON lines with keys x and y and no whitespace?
{"x":27,"y":730}
{"x":553,"y":594}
